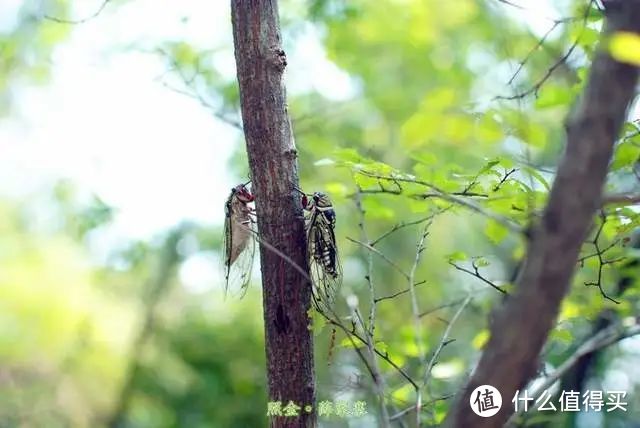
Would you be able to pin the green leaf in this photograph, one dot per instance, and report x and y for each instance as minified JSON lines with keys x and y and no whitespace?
{"x":562,"y":335}
{"x":495,"y":231}
{"x":457,"y":256}
{"x":488,"y":130}
{"x":337,"y":189}
{"x":627,"y":153}
{"x":382,"y":347}
{"x":348,"y":155}
{"x":489,"y":165}
{"x":482,"y":262}
{"x":425,"y":158}
{"x":378,"y":209}
{"x":539,"y":177}
{"x":351,"y":343}
{"x":553,"y":96}
{"x":587,"y":36}
{"x":480,"y":339}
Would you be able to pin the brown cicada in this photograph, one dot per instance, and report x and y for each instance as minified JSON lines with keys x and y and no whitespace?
{"x":238,"y":243}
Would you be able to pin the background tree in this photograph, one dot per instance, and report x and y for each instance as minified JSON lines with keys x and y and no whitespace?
{"x":434,"y":126}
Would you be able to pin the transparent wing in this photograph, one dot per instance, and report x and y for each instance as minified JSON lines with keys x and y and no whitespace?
{"x":324,"y":262}
{"x":238,"y":252}
{"x":239,"y":273}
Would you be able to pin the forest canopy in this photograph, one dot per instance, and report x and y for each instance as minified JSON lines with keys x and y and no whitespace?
{"x":481,"y":159}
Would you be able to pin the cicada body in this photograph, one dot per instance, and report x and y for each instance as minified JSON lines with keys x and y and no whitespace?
{"x":239,"y":243}
{"x":324,"y":263}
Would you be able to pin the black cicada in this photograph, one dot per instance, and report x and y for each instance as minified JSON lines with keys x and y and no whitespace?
{"x":239,"y":245}
{"x":324,"y":264}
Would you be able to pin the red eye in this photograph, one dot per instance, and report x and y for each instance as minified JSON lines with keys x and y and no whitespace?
{"x":305,"y":201}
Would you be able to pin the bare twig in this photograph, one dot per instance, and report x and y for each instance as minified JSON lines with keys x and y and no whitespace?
{"x":399,"y":226}
{"x":413,"y":408}
{"x":79,"y":21}
{"x":476,"y":273}
{"x":399,"y":293}
{"x":522,"y":63}
{"x":621,"y":199}
{"x":381,"y":354}
{"x":444,"y":341}
{"x":369,"y":331}
{"x":601,"y":262}
{"x":382,"y":256}
{"x":561,"y":61}
{"x":449,"y":197}
{"x":504,"y":179}
{"x":442,"y":306}
{"x":193,"y":92}
{"x":536,"y":87}
{"x":417,"y":322}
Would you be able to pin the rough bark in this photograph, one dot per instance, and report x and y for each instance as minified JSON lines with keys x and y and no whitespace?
{"x":520,"y":329}
{"x":272,"y":159}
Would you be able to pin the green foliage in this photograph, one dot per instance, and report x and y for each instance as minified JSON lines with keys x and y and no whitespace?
{"x":422,"y":142}
{"x":26,"y":48}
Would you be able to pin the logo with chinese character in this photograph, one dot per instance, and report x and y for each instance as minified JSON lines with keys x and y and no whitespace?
{"x":485,"y":401}
{"x":570,"y":401}
{"x":340,"y":409}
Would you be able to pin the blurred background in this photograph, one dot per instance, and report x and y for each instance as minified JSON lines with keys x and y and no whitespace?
{"x":120,"y":141}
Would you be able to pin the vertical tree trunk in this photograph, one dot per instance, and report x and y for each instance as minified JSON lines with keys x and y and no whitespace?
{"x":272,"y":159}
{"x":520,"y":329}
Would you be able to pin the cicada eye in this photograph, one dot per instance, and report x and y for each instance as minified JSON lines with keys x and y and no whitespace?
{"x":247,"y":194}
{"x":242,"y":193}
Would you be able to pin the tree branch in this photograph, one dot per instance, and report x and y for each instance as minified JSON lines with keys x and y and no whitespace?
{"x":476,"y":274}
{"x":510,"y":357}
{"x":602,"y":339}
{"x":79,"y":21}
{"x":449,"y":197}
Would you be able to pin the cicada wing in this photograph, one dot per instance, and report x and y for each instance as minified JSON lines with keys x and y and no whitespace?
{"x":324,"y":265}
{"x":238,"y":250}
{"x":240,"y":271}
{"x":227,"y":241}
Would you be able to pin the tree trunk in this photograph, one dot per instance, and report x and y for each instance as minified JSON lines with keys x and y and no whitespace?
{"x":520,"y":329}
{"x":272,"y":159}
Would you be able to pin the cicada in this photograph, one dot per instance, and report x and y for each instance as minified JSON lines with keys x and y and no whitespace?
{"x":239,"y":245}
{"x":324,"y":263}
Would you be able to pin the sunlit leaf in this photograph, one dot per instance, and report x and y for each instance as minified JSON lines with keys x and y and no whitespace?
{"x":625,"y":47}
{"x":495,"y":231}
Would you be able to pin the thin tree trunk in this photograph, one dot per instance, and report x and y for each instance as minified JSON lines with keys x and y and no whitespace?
{"x":520,"y":329}
{"x":158,"y":288}
{"x":272,"y":159}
